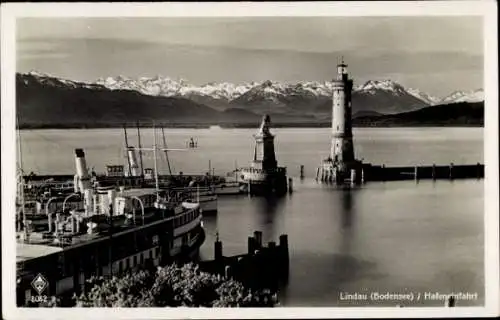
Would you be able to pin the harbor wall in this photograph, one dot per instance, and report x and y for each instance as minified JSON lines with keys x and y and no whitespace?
{"x":451,"y":171}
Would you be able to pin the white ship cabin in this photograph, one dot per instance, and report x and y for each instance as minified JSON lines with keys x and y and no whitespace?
{"x":115,"y":171}
{"x":149,"y":174}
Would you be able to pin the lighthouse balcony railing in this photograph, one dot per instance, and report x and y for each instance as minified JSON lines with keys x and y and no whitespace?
{"x":272,"y":170}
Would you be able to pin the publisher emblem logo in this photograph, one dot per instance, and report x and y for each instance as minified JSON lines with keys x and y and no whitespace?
{"x":39,"y":283}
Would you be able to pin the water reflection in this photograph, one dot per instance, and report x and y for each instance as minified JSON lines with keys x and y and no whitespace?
{"x":347,"y":218}
{"x":268,"y":208}
{"x":347,"y":207}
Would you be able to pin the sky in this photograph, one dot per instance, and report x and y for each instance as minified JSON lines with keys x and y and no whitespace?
{"x":437,"y":55}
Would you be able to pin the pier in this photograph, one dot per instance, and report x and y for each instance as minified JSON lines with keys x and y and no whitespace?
{"x":371,"y":172}
{"x":448,"y":172}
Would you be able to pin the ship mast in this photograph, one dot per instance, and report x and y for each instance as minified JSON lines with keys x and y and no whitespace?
{"x":126,"y":148}
{"x":166,"y":153}
{"x":155,"y":161}
{"x":21,"y":182}
{"x":140,"y":149}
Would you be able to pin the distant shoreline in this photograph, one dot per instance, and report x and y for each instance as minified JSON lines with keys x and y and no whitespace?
{"x":237,"y":126}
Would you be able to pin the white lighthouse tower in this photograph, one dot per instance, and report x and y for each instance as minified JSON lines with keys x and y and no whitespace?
{"x":341,"y":164}
{"x":342,"y":151}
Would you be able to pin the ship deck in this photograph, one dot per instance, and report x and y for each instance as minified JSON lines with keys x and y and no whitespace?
{"x":26,"y":251}
{"x":42,"y":243}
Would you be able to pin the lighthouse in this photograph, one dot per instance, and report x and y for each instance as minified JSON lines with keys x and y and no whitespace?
{"x":341,"y":165}
{"x":342,"y":149}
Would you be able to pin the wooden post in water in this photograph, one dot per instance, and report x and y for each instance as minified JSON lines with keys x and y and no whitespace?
{"x":302,"y":171}
{"x":258,"y":239}
{"x":283,"y":244}
{"x":451,"y":171}
{"x":416,"y":173}
{"x":251,"y":246}
{"x":317,"y":173}
{"x":218,"y":248}
{"x":433,"y":171}
{"x":290,"y":185}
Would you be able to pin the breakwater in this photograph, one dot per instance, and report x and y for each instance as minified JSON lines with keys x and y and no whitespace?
{"x":383,"y":173}
{"x":263,"y":266}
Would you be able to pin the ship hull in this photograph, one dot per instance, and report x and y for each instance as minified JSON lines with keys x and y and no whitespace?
{"x":208,"y":205}
{"x":148,"y":246}
{"x":228,"y":189}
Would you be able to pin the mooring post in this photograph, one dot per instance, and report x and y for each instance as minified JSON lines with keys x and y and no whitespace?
{"x":433,"y":171}
{"x":257,"y":235}
{"x":451,"y":170}
{"x":218,"y":248}
{"x":302,"y":171}
{"x":283,"y":244}
{"x":362,"y":175}
{"x":290,"y":185}
{"x":317,"y":173}
{"x":251,"y":246}
{"x":272,"y":257}
{"x":416,"y":173}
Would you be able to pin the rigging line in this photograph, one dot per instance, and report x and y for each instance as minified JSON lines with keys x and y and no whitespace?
{"x":126,"y":151}
{"x":140,"y":147}
{"x":166,"y":152}
{"x":20,"y":169}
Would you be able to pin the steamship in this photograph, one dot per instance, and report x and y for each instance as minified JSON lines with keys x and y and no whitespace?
{"x":115,"y":229}
{"x":264,"y":176}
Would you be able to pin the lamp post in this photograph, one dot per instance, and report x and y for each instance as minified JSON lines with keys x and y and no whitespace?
{"x":67,"y":198}
{"x":142,"y":207}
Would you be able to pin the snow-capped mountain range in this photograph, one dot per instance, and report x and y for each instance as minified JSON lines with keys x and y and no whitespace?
{"x":273,"y":91}
{"x":45,"y":101}
{"x":164,"y":86}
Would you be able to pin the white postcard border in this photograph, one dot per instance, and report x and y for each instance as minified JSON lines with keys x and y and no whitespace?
{"x":487,"y":9}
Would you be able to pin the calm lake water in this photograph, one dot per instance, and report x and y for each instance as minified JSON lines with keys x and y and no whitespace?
{"x":395,"y":236}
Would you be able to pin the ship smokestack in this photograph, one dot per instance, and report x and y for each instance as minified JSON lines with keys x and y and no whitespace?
{"x":111,"y":200}
{"x":81,"y":170}
{"x":132,"y":160}
{"x":88,"y":202}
